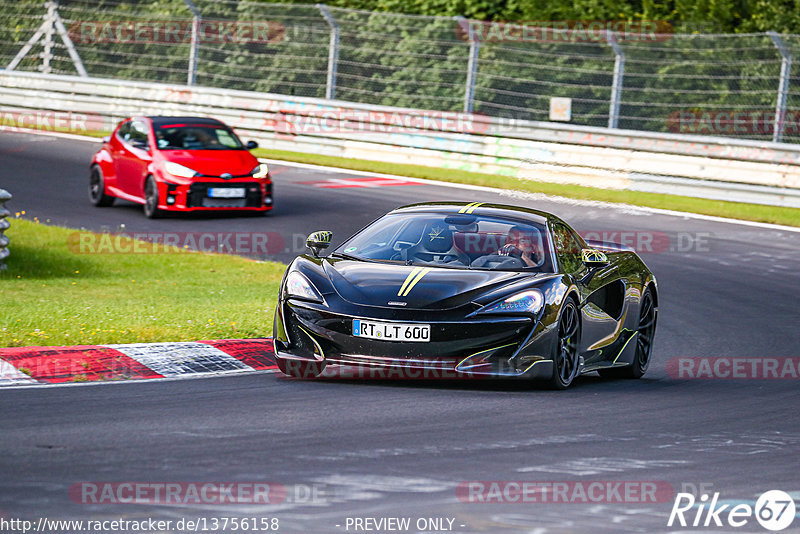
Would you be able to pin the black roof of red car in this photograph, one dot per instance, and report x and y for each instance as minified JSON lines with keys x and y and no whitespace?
{"x":161,"y":121}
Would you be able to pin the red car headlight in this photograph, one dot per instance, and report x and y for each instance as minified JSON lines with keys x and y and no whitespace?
{"x":260,"y":171}
{"x":176,"y":169}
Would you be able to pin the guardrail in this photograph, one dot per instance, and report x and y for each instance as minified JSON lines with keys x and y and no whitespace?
{"x":5,"y":196}
{"x":706,"y":167}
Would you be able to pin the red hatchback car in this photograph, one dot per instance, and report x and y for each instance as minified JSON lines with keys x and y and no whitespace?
{"x":179,"y":164}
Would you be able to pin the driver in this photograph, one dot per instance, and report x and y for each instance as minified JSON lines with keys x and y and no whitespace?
{"x":522,"y":243}
{"x":205,"y":138}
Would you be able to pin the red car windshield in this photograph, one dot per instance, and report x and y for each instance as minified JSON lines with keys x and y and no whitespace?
{"x":196,"y":137}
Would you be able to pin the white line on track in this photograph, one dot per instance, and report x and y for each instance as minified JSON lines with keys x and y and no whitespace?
{"x":535,"y":196}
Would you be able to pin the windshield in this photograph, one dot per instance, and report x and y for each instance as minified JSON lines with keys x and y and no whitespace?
{"x":196,"y":137}
{"x":453,"y":240}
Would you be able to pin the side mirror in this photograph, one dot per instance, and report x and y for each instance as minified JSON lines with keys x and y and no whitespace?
{"x":107,"y":139}
{"x":318,"y":241}
{"x":251,"y":145}
{"x":593,"y":259}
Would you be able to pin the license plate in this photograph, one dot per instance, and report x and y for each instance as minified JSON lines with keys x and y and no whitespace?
{"x":226,"y":192}
{"x":391,"y":331}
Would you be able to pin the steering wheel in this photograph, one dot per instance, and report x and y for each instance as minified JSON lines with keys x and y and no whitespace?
{"x":497,"y":261}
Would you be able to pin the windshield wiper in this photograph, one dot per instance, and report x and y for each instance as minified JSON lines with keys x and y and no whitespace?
{"x":345,"y":256}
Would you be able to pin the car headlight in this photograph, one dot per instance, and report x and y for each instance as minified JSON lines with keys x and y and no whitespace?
{"x":529,"y":302}
{"x":298,"y":286}
{"x":260,"y":171}
{"x":179,"y":170}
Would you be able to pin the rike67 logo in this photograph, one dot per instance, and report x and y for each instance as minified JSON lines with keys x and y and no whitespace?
{"x":774,"y":510}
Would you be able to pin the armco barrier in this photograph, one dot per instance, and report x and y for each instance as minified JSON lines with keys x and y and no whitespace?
{"x":706,"y":167}
{"x":5,"y":196}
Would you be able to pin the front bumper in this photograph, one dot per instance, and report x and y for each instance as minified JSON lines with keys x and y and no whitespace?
{"x":501,"y":346}
{"x":195,"y":197}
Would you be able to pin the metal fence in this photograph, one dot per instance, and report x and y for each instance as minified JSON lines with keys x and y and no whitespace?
{"x":743,"y":85}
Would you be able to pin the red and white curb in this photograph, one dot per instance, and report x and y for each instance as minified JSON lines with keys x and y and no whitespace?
{"x":134,"y":361}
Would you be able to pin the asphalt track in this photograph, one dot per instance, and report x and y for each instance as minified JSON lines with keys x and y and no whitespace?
{"x":401,"y":448}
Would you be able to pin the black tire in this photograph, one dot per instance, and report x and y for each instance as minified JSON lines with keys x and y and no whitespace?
{"x":151,"y":210}
{"x":97,"y":188}
{"x":644,"y":341}
{"x":566,"y":361}
{"x":300,"y":369}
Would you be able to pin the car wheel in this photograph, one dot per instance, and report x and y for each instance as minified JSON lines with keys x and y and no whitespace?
{"x":565,"y":356}
{"x":151,"y":210}
{"x":97,"y":188}
{"x":300,"y":369}
{"x":644,"y":341}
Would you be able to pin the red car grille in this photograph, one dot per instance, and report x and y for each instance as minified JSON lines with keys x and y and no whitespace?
{"x":198,"y":195}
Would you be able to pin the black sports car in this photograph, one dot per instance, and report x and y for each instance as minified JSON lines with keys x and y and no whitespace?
{"x":477,"y":290}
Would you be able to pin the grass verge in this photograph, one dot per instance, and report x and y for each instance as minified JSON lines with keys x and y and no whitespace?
{"x":719,"y":208}
{"x":54,"y":296}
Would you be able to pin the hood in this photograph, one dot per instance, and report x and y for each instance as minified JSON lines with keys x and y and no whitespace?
{"x":213,"y":162}
{"x":377,"y":284}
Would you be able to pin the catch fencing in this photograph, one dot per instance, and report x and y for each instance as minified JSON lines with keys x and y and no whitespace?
{"x":643,"y":76}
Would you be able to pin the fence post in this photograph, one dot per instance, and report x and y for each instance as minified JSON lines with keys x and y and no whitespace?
{"x":49,"y":30}
{"x":472,"y":65}
{"x":195,"y":43}
{"x":5,"y":196}
{"x":783,"y":87}
{"x":52,"y":22}
{"x":333,"y":51}
{"x":616,"y":83}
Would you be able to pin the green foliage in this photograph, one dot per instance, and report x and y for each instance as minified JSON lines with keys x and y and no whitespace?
{"x":395,"y":52}
{"x":778,"y":16}
{"x":723,"y":16}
